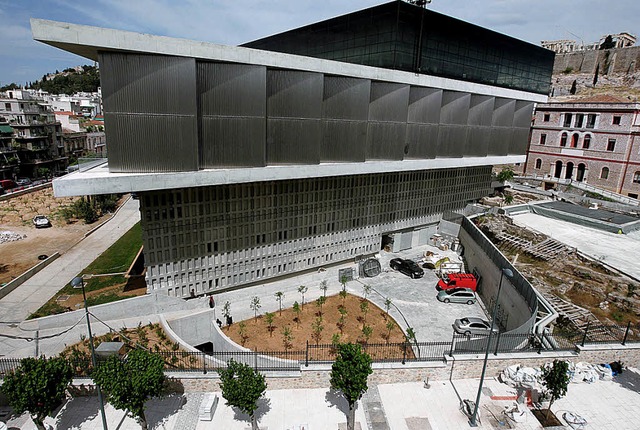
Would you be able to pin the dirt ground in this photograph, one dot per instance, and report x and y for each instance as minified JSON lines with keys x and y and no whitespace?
{"x":259,"y":338}
{"x":16,"y":216}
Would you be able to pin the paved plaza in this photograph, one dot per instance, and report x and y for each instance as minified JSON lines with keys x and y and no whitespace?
{"x":606,"y":405}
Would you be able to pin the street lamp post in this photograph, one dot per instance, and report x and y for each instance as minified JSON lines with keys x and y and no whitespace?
{"x":473,"y":421}
{"x":78,"y":282}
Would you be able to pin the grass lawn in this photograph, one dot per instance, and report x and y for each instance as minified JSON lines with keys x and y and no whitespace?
{"x":100,"y":289}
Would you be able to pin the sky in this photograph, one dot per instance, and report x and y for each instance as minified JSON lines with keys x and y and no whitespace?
{"x":232,"y":22}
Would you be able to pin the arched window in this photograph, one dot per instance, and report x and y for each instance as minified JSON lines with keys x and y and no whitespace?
{"x":574,"y":140}
{"x":538,"y":163}
{"x":604,"y":174}
{"x":563,"y":139}
{"x":636,"y":177}
{"x":587,"y":141}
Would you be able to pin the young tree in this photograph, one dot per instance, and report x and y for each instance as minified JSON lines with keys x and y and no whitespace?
{"x":555,"y":378}
{"x":279,"y":297}
{"x":366,"y":290}
{"x":506,"y":174}
{"x":226,"y":311}
{"x":320,"y":301}
{"x":343,"y":296}
{"x":302,"y":290}
{"x":367,"y":331}
{"x":37,"y":386}
{"x":287,"y":338}
{"x":242,"y":387}
{"x":349,"y":375}
{"x":255,"y":306}
{"x":268,"y":317}
{"x":242,"y":331}
{"x":387,"y":306}
{"x":342,"y":320}
{"x":129,"y":383}
{"x":297,"y":311}
{"x":343,"y":281}
{"x":324,"y":287}
{"x":390,"y":326}
{"x":364,"y":308}
{"x":317,"y":330}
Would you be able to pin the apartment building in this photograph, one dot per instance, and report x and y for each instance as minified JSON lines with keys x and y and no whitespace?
{"x":36,"y":137}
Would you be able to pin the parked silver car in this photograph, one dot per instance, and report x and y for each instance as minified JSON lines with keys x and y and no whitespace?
{"x":473,"y":326}
{"x":457,"y":295}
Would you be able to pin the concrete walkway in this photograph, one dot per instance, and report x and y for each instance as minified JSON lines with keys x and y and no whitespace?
{"x":606,"y":405}
{"x":35,"y":292}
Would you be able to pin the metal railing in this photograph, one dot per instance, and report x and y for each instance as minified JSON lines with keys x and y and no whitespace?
{"x":401,"y":353}
{"x":585,"y":187}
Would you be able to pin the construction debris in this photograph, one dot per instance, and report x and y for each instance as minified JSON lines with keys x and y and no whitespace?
{"x":9,"y":236}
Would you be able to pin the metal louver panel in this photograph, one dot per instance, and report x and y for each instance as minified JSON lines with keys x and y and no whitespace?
{"x":150,"y":108}
{"x":294,"y":107}
{"x":455,"y":107}
{"x":345,"y":109}
{"x":343,"y":140}
{"x":452,"y":140}
{"x":232,"y":108}
{"x":422,"y":141}
{"x":388,"y":110}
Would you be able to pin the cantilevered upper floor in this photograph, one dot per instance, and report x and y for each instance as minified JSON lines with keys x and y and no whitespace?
{"x":180,"y":113}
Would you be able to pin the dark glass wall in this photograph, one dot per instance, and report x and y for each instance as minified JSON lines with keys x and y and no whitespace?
{"x":392,"y":34}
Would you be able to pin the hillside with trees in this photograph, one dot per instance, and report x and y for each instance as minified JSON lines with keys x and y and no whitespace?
{"x":69,"y":81}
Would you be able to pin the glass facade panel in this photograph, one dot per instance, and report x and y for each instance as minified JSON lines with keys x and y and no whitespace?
{"x":401,"y":36}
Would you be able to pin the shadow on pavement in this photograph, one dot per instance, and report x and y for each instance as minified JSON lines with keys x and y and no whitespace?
{"x":336,"y":399}
{"x":76,"y":411}
{"x":629,"y":380}
{"x":264,"y":406}
{"x":160,"y":410}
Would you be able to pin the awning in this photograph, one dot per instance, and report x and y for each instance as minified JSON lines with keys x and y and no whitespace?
{"x":6,"y":129}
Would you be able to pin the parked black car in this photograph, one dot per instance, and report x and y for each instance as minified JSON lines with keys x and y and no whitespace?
{"x":408,"y":267}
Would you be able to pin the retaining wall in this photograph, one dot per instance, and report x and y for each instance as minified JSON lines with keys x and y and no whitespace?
{"x":15,"y":283}
{"x":455,"y":368}
{"x":149,"y":304}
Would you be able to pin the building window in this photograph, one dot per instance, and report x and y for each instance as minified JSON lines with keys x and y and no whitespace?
{"x":567,"y":119}
{"x":543,"y":139}
{"x":546,"y":117}
{"x":539,"y":163}
{"x":616,"y":120}
{"x":611,"y":145}
{"x":563,"y":139}
{"x":636,"y":177}
{"x":7,"y":106}
{"x":574,"y":140}
{"x":604,"y":174}
{"x":591,"y":121}
{"x":579,"y":120}
{"x":587,"y":141}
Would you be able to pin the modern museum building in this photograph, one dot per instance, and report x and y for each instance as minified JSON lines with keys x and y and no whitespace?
{"x":306,"y":148}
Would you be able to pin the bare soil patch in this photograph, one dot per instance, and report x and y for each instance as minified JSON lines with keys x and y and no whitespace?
{"x":16,"y":215}
{"x":257,"y":336}
{"x":150,"y":336}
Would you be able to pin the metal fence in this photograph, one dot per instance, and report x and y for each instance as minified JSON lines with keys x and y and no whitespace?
{"x":407,"y":352}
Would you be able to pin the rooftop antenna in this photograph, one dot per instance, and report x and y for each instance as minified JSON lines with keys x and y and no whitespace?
{"x":420,"y":3}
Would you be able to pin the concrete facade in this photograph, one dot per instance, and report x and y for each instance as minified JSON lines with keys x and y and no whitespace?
{"x":253,"y":164}
{"x":590,"y":140}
